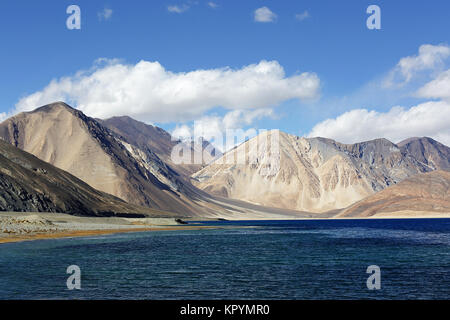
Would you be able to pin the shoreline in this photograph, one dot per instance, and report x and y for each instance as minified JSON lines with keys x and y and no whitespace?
{"x":29,"y":226}
{"x":88,"y":233}
{"x":20,"y":227}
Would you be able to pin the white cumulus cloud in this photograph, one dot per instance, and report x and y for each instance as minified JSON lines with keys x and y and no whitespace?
{"x":439,"y":88}
{"x":149,"y":92}
{"x":429,"y":119}
{"x":223,"y":132}
{"x":264,"y":14}
{"x":430,"y":57}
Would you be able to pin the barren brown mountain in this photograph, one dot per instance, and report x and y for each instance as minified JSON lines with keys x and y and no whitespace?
{"x":30,"y":184}
{"x":146,"y":136}
{"x":309,"y":174}
{"x":129,"y":160}
{"x":427,"y":151}
{"x":69,"y":140}
{"x":423,"y":194}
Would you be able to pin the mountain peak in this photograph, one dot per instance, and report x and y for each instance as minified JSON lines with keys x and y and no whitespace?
{"x":427,"y":151}
{"x":419,"y":140}
{"x":58,"y":105}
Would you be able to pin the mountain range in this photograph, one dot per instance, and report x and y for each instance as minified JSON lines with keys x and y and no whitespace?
{"x":80,"y":145}
{"x":316,"y":174}
{"x":282,"y":175}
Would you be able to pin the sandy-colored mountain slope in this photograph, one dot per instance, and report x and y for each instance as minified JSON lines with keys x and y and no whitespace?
{"x":423,"y":194}
{"x":428,"y":151}
{"x":313,"y":174}
{"x":69,"y":140}
{"x":158,"y":140}
{"x":30,"y":184}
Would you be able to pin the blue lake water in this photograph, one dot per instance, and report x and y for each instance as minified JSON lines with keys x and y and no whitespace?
{"x":266,"y":260}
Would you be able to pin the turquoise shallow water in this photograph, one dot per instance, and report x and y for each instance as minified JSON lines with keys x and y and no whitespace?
{"x":267,"y":260}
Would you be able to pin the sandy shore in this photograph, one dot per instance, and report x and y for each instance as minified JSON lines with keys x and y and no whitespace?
{"x":18,"y":226}
{"x":409,"y":214}
{"x":86,"y":233}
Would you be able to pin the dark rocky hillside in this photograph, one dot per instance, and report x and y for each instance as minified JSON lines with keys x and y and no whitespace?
{"x":29,"y":184}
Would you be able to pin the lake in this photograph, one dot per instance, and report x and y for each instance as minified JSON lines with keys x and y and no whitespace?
{"x":325,"y":259}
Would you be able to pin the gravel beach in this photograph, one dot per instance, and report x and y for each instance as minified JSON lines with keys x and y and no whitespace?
{"x":18,"y":226}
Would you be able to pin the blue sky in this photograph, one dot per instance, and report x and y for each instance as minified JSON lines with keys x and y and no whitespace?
{"x":332,"y":42}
